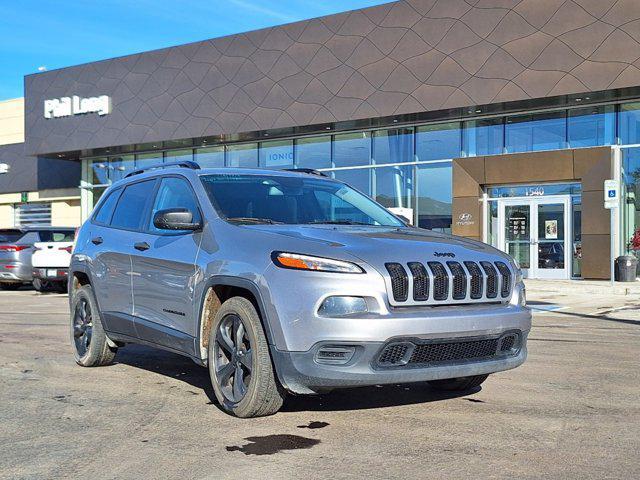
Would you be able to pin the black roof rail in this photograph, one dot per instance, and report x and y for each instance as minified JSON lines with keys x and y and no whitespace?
{"x":184,"y":164}
{"x":309,"y":171}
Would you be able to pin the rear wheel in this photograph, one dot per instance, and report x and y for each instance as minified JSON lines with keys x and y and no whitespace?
{"x":41,"y":285}
{"x":240,"y":365}
{"x":458,"y":384}
{"x":90,"y":346}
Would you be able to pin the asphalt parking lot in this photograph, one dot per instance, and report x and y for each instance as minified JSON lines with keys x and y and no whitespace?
{"x":572,"y":411}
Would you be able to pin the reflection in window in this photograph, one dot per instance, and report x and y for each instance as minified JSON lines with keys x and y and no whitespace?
{"x":393,"y":146}
{"x":313,"y":152}
{"x":120,"y":166}
{"x":592,"y":127}
{"x":183,"y":155}
{"x":629,"y":118}
{"x":360,"y":179}
{"x":352,"y":149}
{"x":145,"y":160}
{"x":210,"y":157}
{"x":437,"y":142}
{"x":276,"y":154}
{"x":244,"y":155}
{"x":434,"y":195}
{"x":631,"y":202}
{"x":483,"y":137}
{"x":394,"y":187}
{"x":99,"y":171}
{"x":540,"y":131}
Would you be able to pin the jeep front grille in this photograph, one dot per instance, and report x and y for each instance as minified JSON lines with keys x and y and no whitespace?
{"x":441,"y":283}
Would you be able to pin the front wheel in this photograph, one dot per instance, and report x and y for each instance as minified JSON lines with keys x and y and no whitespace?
{"x":90,"y":345}
{"x":240,"y":367}
{"x":458,"y":384}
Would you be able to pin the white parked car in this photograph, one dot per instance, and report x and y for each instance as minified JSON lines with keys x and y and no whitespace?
{"x":50,"y":261}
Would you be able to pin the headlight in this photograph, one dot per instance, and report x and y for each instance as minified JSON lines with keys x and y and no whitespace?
{"x":319,"y":264}
{"x":341,"y":306}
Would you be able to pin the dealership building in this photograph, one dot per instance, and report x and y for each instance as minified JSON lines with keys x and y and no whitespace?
{"x":498,"y":120}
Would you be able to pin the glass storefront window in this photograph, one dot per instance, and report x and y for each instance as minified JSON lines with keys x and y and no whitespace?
{"x":532,"y":132}
{"x":483,"y":137}
{"x":631,"y":200}
{"x":629,"y":123}
{"x":210,"y":157}
{"x":276,"y":154}
{"x":439,"y":141}
{"x":360,"y":179}
{"x":592,"y":127}
{"x":393,"y":146}
{"x":144,"y":160}
{"x":99,"y":174}
{"x":434,"y":196}
{"x":244,"y":155}
{"x":313,"y":152}
{"x":182,"y":155}
{"x":576,"y":221}
{"x":352,"y":149}
{"x":393,"y":187}
{"x":120,"y":166}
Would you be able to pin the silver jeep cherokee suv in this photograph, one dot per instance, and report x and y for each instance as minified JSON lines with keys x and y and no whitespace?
{"x":287,"y":281}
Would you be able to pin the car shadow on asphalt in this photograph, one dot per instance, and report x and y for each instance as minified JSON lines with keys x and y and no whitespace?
{"x":175,"y":366}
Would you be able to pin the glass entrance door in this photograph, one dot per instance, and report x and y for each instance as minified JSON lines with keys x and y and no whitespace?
{"x":535,"y":231}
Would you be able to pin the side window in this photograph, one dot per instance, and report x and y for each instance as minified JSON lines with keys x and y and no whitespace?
{"x":174,"y":193}
{"x":131,"y":210}
{"x":106,"y":209}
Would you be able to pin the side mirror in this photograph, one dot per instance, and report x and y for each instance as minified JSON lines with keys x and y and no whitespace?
{"x":175,"y":219}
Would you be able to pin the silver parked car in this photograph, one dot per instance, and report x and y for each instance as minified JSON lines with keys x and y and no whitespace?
{"x":16,"y":249}
{"x":288,"y":282}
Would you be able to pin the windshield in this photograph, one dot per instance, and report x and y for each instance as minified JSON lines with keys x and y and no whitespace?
{"x":292,"y":200}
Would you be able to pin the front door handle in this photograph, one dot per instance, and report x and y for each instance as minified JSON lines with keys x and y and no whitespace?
{"x":97,"y":240}
{"x":142,"y":246}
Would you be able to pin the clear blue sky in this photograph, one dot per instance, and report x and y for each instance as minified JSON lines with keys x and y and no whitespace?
{"x":60,"y":33}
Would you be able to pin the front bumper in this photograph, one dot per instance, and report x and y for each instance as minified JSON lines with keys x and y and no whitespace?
{"x":301,"y":372}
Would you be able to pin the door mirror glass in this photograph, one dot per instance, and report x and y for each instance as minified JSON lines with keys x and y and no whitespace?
{"x":175,"y":219}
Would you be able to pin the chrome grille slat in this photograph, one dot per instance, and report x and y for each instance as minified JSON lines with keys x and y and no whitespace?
{"x":505,"y":273}
{"x":459,"y":280}
{"x":420,"y":281}
{"x":477,"y":280}
{"x":492,"y":279}
{"x":440,"y":281}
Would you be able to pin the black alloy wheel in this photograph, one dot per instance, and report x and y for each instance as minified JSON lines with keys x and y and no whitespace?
{"x":233,"y":358}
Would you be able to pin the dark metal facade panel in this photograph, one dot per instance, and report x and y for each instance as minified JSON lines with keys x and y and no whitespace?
{"x":398,"y":58}
{"x":29,"y":174}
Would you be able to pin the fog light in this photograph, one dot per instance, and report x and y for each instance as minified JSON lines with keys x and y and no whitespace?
{"x":335,"y":355}
{"x":342,"y":306}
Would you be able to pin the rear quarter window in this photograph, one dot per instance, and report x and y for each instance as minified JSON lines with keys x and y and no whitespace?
{"x":8,"y":236}
{"x":105,"y":212}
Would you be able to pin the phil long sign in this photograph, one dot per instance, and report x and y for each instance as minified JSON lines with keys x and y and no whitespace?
{"x":75,"y":105}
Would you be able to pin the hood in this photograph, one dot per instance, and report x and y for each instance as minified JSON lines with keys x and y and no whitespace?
{"x":378,"y":245}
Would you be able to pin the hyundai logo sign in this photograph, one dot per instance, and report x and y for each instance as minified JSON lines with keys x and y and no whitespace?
{"x":465,"y":219}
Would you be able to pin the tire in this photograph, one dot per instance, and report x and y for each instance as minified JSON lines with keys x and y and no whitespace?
{"x":41,"y":286}
{"x":10,"y":286}
{"x":458,"y":384}
{"x":236,"y":330}
{"x":88,"y":340}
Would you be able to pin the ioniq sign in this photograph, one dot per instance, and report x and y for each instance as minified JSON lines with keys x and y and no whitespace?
{"x":76,"y":105}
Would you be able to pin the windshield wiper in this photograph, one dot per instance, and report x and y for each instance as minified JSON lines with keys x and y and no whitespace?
{"x":337,"y":222}
{"x":252,"y":220}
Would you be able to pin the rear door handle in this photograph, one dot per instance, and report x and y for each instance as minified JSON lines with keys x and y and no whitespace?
{"x":142,"y":246}
{"x":97,"y":240}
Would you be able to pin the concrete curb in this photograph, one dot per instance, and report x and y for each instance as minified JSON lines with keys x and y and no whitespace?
{"x":581,"y":287}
